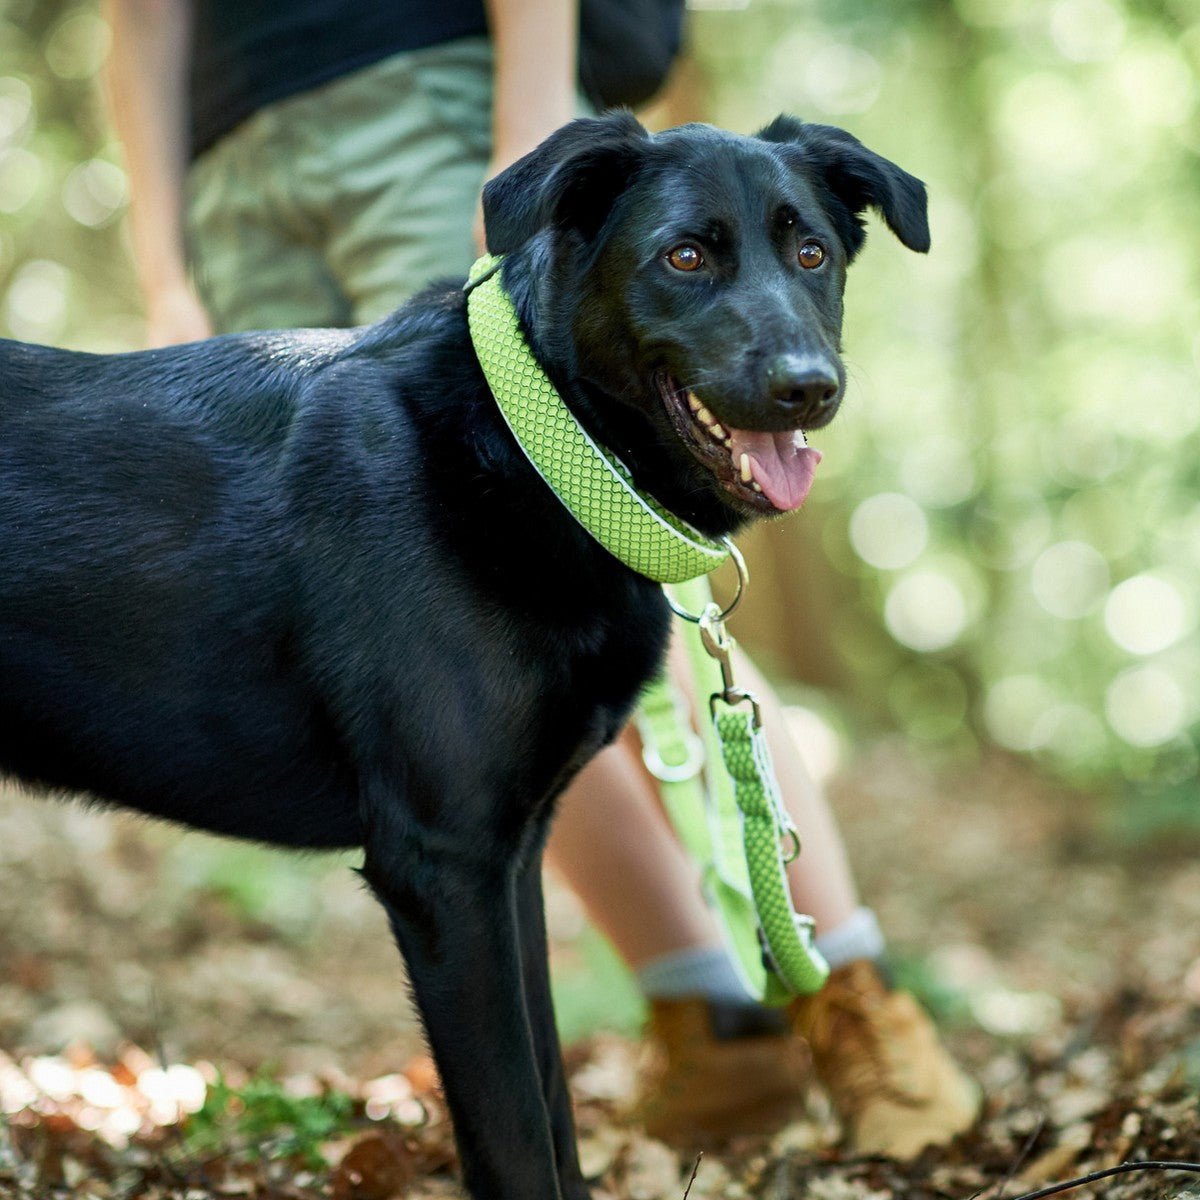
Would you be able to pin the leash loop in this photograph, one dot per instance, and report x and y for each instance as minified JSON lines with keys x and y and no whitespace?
{"x":665,"y":772}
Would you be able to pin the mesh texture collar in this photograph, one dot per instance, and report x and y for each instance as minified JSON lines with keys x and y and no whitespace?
{"x":593,"y":485}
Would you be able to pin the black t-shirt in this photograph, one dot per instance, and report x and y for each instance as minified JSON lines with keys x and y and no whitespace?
{"x":249,"y":53}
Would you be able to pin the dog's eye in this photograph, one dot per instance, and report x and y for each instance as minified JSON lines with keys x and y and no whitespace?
{"x":686,"y":258}
{"x":812,"y":254}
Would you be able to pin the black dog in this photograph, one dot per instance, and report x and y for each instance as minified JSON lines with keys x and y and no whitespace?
{"x":305,"y":588}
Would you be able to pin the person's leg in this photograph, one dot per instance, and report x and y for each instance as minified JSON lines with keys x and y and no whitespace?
{"x":718,"y":1070}
{"x":612,"y":844}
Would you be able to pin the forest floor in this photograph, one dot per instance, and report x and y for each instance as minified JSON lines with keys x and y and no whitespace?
{"x":181,"y":1019}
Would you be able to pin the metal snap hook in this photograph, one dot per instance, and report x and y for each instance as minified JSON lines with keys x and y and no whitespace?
{"x":743,"y":574}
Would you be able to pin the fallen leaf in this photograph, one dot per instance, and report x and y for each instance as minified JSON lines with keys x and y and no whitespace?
{"x":378,"y":1167}
{"x":651,"y":1171}
{"x":1047,"y":1167}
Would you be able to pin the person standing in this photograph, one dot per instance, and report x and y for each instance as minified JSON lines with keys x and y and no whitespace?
{"x":314,"y":164}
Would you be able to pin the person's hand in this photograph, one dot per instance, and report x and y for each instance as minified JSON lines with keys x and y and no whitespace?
{"x":175,"y":314}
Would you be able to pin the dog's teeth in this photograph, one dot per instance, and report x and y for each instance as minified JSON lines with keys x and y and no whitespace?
{"x":727,"y":442}
{"x":756,"y":487}
{"x":718,"y":431}
{"x":702,"y":414}
{"x":744,"y":465}
{"x":694,"y":402}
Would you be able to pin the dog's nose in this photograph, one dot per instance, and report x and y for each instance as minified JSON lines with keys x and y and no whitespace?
{"x":803,"y":386}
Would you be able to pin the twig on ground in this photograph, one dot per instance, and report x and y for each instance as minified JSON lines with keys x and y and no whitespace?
{"x":1095,"y":1177}
{"x":1018,"y":1162}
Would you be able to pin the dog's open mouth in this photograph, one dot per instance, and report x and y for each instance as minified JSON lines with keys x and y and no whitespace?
{"x":768,"y":471}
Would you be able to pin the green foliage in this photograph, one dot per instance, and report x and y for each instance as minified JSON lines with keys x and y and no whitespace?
{"x":65,"y":274}
{"x":948,"y":1004}
{"x":1155,"y":820}
{"x":1008,"y":505}
{"x":595,"y":991}
{"x":267,"y":1122}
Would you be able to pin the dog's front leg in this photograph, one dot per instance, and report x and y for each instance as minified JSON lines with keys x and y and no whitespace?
{"x":454,"y":916}
{"x":532,"y":921}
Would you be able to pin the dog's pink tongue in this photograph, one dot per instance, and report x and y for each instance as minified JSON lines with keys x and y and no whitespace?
{"x":781,"y":464}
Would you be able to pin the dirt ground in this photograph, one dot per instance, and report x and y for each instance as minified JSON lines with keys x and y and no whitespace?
{"x":1063,"y":961}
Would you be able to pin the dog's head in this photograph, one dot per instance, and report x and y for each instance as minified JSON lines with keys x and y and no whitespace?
{"x":687,"y":288}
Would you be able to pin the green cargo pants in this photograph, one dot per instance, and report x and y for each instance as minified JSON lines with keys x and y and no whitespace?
{"x":333,"y":206}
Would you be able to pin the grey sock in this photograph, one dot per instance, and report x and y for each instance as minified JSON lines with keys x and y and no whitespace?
{"x":700,"y":971}
{"x":858,"y":936}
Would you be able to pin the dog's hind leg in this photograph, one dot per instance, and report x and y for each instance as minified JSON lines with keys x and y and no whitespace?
{"x":454,"y":916}
{"x":531,"y":920}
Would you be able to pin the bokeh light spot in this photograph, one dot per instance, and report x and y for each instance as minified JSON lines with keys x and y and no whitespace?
{"x":925,"y":611}
{"x":1086,"y":30}
{"x":836,"y":78}
{"x":1087,"y":449}
{"x":1046,"y":124}
{"x":888,"y":531}
{"x":1145,"y":706}
{"x":937,"y":470}
{"x":94,"y":192}
{"x":16,"y":107}
{"x":36,"y":304}
{"x":1069,"y":579}
{"x":822,"y":745}
{"x":1155,"y":83}
{"x":1112,"y":278}
{"x":1013,"y":708}
{"x":78,"y":46}
{"x":1069,"y":733}
{"x":20,"y":178}
{"x":1146,"y":614}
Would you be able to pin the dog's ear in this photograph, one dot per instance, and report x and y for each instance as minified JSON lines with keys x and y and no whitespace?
{"x":860,"y":179}
{"x":571,"y":180}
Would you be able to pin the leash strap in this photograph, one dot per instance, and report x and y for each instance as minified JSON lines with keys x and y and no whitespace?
{"x":787,"y":936}
{"x":730,"y":820}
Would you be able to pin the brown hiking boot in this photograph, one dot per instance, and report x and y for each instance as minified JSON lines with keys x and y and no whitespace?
{"x":717,"y":1071}
{"x":891,"y":1081}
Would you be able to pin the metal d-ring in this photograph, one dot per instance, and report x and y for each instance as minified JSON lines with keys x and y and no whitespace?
{"x":743,"y":574}
{"x":793,"y":851}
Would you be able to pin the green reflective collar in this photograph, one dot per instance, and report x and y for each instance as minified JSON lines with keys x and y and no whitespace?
{"x":594,"y":485}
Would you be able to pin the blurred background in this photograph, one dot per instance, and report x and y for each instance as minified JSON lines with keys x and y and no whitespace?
{"x":986,"y":615}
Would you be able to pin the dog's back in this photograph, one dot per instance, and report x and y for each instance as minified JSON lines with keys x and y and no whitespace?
{"x":146,"y":611}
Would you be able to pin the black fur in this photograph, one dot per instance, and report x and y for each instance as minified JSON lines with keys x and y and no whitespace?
{"x":304,"y":588}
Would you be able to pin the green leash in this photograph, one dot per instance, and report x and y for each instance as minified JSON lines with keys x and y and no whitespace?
{"x":731,"y":821}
